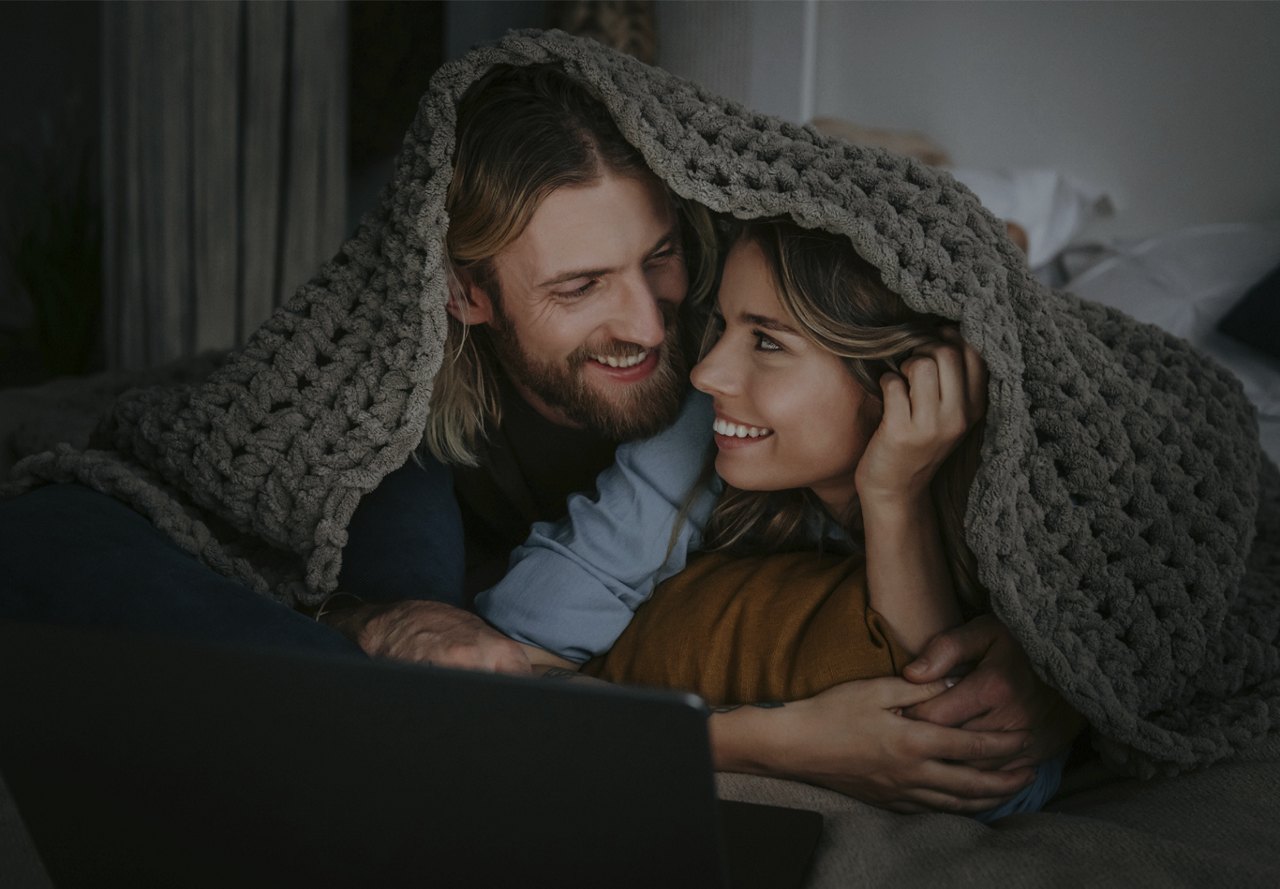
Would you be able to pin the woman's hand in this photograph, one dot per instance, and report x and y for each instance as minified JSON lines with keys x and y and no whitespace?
{"x":940,"y":395}
{"x":853,"y":739}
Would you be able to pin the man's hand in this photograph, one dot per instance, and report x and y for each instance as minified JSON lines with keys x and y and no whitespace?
{"x":1000,"y":693}
{"x":851,"y":738}
{"x":429,"y":633}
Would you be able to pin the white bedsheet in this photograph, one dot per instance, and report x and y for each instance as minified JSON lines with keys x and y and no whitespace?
{"x":1185,"y":282}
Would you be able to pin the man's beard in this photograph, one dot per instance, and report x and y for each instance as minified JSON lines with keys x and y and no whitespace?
{"x":629,"y":411}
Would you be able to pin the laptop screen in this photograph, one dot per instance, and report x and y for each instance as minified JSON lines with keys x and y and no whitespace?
{"x":146,"y":763}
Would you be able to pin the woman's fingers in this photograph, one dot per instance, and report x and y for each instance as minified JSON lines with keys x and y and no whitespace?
{"x":976,"y":379}
{"x":965,"y":745}
{"x":897,"y":400}
{"x":923,"y":383}
{"x":895,"y":693}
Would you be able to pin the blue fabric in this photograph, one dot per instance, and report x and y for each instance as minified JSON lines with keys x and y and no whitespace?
{"x":1032,"y":797}
{"x":405,"y":540}
{"x":75,"y":557}
{"x":575,"y":584}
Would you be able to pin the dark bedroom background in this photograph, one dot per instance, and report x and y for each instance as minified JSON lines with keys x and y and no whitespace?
{"x":170,"y":172}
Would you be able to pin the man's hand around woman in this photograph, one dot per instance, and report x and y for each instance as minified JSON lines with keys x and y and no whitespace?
{"x":429,"y":633}
{"x":924,"y":743}
{"x":853,"y":738}
{"x":1001,"y":692}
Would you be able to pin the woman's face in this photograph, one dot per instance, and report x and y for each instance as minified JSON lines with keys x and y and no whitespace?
{"x":789,"y":414}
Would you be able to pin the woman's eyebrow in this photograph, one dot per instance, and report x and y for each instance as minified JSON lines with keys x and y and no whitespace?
{"x":767,"y":323}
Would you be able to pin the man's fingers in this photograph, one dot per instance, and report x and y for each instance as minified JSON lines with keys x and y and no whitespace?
{"x":964,"y":705}
{"x":961,"y":788}
{"x":949,"y":650}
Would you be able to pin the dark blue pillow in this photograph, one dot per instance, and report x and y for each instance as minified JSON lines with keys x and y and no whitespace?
{"x":1255,"y":320}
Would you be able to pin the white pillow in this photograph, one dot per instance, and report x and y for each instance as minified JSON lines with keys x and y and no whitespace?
{"x":1052,"y":208}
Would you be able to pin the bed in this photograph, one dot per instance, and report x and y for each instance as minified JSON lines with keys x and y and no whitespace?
{"x":1213,"y":827}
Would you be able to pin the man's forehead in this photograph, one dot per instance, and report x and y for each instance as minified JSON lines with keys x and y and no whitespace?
{"x":595,"y":226}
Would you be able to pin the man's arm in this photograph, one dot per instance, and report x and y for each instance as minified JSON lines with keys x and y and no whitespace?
{"x":573,"y":587}
{"x":428,"y":633}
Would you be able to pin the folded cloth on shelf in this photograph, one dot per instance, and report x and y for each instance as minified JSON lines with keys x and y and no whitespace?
{"x":1124,"y":522}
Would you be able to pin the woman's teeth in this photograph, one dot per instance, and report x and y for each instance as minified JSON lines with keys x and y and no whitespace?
{"x":737,"y":430}
{"x":625,"y":361}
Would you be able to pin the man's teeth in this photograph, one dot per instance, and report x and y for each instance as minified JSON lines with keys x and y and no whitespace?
{"x":737,"y":430}
{"x":625,"y":361}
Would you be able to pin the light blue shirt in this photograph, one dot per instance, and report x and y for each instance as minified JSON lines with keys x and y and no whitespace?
{"x":574,"y":585}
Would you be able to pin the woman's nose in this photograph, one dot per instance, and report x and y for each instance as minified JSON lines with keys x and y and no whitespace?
{"x":712,"y":374}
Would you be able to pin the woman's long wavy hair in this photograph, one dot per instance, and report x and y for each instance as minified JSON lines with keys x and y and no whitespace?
{"x":838,"y":299}
{"x":524,"y":132}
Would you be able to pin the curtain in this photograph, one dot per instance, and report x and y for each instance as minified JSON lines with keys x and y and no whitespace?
{"x":224,"y":134}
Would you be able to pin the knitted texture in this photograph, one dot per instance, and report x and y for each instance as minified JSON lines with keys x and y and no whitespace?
{"x":1113,"y":517}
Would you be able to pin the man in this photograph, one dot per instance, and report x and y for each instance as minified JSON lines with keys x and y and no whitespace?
{"x":572,"y":267}
{"x":564,"y":340}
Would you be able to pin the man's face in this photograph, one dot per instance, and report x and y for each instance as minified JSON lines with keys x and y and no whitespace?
{"x":586,"y":321}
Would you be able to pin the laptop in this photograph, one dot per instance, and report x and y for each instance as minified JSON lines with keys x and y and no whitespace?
{"x":140,"y":762}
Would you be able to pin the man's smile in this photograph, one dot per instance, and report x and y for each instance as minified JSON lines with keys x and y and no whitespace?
{"x":622,"y":361}
{"x":627,"y":368}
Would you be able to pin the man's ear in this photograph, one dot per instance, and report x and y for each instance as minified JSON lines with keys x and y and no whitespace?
{"x":467,"y":302}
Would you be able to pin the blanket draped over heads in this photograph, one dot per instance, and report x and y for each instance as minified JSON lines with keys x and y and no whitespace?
{"x":1124,"y":519}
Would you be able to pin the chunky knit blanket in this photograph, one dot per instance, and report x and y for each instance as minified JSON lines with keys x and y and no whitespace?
{"x":1124,"y":519}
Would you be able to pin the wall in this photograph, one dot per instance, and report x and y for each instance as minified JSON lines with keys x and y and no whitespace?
{"x":1172,"y":108}
{"x":758,"y":52}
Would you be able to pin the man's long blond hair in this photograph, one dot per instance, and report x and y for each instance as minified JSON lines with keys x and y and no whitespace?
{"x":838,"y":300}
{"x":524,"y":132}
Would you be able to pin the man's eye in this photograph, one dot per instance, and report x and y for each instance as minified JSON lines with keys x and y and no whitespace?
{"x":577,"y":291}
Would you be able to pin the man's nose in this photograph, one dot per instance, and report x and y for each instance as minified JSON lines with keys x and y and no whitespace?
{"x":638,"y":315}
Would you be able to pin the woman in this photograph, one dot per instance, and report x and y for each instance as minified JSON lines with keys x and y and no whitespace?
{"x":843,"y":420}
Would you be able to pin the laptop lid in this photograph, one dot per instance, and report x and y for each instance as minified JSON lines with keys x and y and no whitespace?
{"x":141,"y":762}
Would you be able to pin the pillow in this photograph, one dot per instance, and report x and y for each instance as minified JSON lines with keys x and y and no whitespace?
{"x":1050,"y":207}
{"x":744,"y":629}
{"x":1255,"y":319}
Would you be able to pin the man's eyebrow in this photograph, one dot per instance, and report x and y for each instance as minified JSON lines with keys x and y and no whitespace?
{"x":669,"y":237}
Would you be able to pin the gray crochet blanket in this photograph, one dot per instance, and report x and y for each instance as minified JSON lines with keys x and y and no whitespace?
{"x":1124,"y":518}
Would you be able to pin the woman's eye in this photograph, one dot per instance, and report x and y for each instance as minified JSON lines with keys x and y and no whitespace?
{"x":764,"y":343}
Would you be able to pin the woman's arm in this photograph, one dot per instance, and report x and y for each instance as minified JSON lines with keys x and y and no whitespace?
{"x":853,"y":739}
{"x":927,"y":412}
